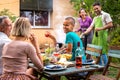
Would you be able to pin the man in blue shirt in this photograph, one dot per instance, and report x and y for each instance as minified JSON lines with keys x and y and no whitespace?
{"x":71,"y":38}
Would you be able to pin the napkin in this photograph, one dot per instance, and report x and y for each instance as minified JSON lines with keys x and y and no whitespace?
{"x":53,"y":66}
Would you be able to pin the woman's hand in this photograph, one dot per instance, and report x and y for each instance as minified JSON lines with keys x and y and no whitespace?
{"x":33,"y":40}
{"x":82,"y":34}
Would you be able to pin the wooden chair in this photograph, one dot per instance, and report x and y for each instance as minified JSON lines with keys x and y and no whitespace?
{"x":111,"y":54}
{"x":93,"y":50}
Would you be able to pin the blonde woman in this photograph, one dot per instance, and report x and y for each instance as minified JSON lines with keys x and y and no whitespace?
{"x":16,"y":53}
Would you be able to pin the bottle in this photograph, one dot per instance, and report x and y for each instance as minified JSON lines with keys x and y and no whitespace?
{"x":96,"y":34}
{"x":78,"y":56}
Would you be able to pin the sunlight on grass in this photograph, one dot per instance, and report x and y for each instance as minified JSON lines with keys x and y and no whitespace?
{"x":112,"y":72}
{"x":43,"y":79}
{"x":63,"y":78}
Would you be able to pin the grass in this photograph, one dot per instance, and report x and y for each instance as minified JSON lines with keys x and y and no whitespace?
{"x":112,"y":72}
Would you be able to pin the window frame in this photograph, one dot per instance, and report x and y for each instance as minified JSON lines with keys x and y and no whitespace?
{"x":34,"y":13}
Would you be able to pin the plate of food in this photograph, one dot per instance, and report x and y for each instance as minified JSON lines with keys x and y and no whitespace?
{"x":53,"y":67}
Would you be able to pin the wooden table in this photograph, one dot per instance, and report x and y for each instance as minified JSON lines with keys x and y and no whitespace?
{"x":55,"y":75}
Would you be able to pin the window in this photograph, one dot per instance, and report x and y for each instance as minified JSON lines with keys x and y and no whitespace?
{"x":38,"y":12}
{"x":38,"y":19}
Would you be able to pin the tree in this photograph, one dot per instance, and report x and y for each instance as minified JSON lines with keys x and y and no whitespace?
{"x":86,"y":4}
{"x":110,"y":6}
{"x":8,"y":13}
{"x":106,"y":5}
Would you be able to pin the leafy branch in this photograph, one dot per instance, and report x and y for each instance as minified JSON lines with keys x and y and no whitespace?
{"x":6,"y":12}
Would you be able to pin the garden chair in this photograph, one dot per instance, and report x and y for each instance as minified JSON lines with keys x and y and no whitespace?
{"x":111,"y":54}
{"x":95,"y":52}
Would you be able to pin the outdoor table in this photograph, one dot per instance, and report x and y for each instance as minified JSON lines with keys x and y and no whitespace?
{"x":55,"y":75}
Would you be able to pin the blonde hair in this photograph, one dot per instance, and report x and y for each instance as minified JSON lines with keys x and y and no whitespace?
{"x":21,"y":27}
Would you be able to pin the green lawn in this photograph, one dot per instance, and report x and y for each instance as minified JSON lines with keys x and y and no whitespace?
{"x":112,"y":72}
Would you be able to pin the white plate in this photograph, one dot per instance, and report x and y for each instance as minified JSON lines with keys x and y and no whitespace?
{"x":95,"y":66}
{"x":54,"y":68}
{"x":88,"y":63}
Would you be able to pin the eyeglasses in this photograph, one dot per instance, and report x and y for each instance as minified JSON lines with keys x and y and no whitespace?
{"x":4,"y":24}
{"x":8,"y":25}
